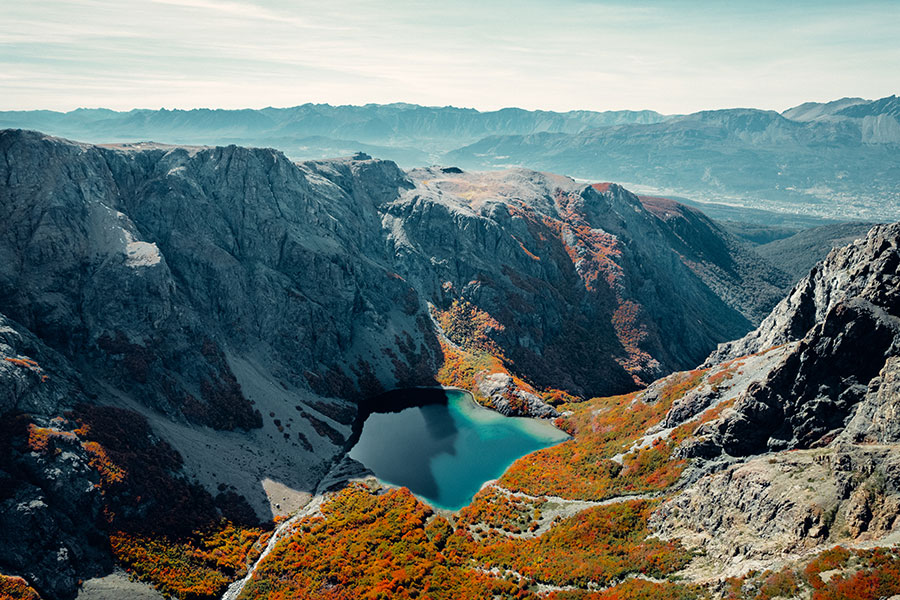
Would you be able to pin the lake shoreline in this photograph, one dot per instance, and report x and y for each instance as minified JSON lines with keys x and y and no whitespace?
{"x":443,"y":445}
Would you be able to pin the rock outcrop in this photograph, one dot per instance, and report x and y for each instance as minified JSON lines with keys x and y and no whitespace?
{"x":845,"y":320}
{"x":779,"y":506}
{"x":155,"y":265}
{"x":866,"y":269}
{"x":807,"y":455}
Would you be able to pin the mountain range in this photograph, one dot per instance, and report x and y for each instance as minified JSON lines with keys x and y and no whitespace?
{"x":833,"y":160}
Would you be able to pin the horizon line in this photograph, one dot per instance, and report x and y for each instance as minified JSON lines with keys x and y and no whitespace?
{"x":432,"y":106}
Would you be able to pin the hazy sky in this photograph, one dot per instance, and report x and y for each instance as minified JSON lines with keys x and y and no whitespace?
{"x":669,"y":56}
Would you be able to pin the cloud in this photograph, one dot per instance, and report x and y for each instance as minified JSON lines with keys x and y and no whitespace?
{"x":247,"y":10}
{"x":562,"y":55}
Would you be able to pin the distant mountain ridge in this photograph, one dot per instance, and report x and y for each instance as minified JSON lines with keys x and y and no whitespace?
{"x":402,"y":127}
{"x":844,"y":166}
{"x":835,"y":160}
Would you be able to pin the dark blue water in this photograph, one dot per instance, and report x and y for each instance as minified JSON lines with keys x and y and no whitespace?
{"x":445,"y":450}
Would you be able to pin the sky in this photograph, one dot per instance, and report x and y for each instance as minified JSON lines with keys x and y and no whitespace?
{"x":669,"y":56}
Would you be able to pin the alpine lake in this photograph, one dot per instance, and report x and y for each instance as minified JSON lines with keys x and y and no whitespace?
{"x":442,"y":445}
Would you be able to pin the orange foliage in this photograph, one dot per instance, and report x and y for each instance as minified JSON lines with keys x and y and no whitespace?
{"x":372,"y":546}
{"x":635,"y":589}
{"x":110,"y":472}
{"x":29,"y":364}
{"x":583,"y":468}
{"x":492,"y":509}
{"x":43,"y":439}
{"x":200,"y":566}
{"x":878,"y":577}
{"x":460,"y":368}
{"x":26,"y":363}
{"x":469,"y":327}
{"x":16,"y":588}
{"x":463,"y":369}
{"x":861,"y":575}
{"x":598,"y":545}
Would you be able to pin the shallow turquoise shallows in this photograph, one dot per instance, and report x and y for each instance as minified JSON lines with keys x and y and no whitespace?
{"x":445,"y":450}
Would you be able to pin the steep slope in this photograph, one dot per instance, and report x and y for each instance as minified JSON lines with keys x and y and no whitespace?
{"x":798,"y":253}
{"x":727,"y":265}
{"x":843,"y":319}
{"x":226,"y":249}
{"x":803,"y":453}
{"x":878,"y":120}
{"x":811,"y":111}
{"x":629,"y":509}
{"x":816,"y":160}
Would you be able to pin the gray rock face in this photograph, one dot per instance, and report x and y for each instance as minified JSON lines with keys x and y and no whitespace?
{"x":752,"y":513}
{"x":830,"y":396}
{"x":846,"y":317}
{"x":877,"y":418}
{"x":867,"y":268}
{"x":153,"y":264}
{"x":33,"y":378}
{"x":149,"y":263}
{"x":569,"y":271}
{"x":51,"y":511}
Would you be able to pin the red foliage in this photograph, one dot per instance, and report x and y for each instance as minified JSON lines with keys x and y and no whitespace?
{"x":469,"y":327}
{"x":636,"y":589}
{"x":198,"y":567}
{"x":583,"y":468}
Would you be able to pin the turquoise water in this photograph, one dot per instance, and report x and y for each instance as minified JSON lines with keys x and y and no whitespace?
{"x":445,"y":449}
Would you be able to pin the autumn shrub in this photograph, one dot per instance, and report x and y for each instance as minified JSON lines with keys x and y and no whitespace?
{"x":877,"y":576}
{"x":368,"y":546}
{"x":826,"y":561}
{"x":492,"y":508}
{"x":599,"y":545}
{"x":16,"y":588}
{"x":636,"y":589}
{"x":783,"y":584}
{"x":196,"y":567}
{"x":469,"y":327}
{"x":583,"y":468}
{"x":865,"y":574}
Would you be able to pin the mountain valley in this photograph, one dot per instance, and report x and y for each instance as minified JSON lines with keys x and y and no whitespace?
{"x":190,"y":335}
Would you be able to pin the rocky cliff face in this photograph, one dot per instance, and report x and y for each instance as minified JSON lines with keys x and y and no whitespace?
{"x":845,"y":320}
{"x":183,"y":327}
{"x":802,"y":454}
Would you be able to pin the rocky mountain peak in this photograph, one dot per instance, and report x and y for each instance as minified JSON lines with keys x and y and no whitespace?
{"x":839,"y":329}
